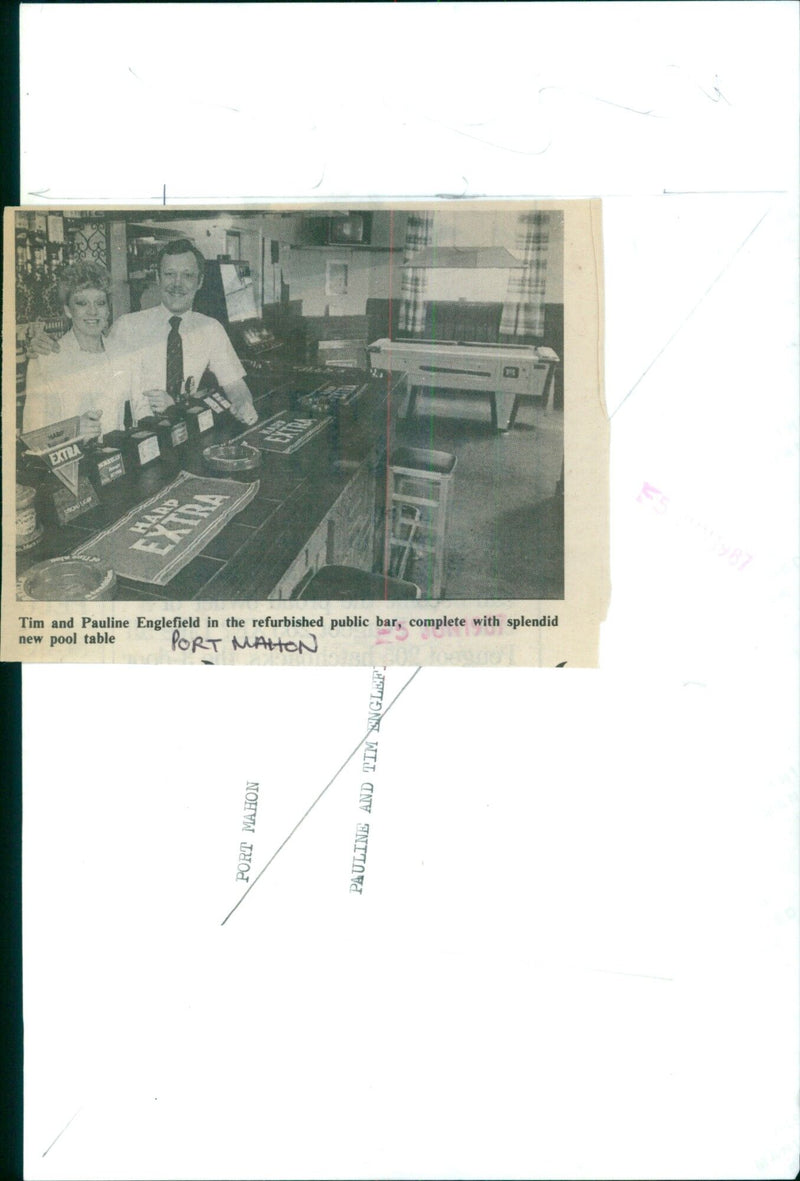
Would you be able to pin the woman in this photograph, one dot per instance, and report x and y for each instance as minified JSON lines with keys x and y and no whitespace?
{"x":81,"y":378}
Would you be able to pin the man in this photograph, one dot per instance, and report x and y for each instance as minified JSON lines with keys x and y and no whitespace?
{"x":169,"y":347}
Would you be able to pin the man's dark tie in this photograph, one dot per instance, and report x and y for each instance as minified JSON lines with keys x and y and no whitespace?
{"x":174,"y":359}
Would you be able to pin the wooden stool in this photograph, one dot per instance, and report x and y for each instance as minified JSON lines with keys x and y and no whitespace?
{"x":420,"y":493}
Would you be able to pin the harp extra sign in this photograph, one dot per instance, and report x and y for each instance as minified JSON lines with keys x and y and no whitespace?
{"x":165,"y":525}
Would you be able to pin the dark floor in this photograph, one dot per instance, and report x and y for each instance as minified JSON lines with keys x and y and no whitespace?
{"x":505,"y":537}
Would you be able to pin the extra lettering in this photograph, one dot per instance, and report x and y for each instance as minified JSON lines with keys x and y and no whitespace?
{"x":155,"y":537}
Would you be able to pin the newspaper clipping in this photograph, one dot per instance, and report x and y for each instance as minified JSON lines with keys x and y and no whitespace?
{"x":305,"y":435}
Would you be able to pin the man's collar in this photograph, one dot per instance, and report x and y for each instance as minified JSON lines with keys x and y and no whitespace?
{"x":167,"y":314}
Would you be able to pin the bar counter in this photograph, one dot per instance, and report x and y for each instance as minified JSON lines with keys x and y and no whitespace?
{"x":320,"y":505}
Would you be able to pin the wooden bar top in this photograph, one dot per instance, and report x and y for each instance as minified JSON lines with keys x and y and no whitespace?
{"x":248,"y":559}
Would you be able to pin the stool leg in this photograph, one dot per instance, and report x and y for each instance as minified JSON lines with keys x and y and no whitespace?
{"x":422,"y":534}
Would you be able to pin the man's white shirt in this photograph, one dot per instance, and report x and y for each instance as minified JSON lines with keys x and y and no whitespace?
{"x":139,"y":340}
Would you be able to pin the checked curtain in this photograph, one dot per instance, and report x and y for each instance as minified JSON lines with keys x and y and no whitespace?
{"x":523,"y":310}
{"x":419,"y":234}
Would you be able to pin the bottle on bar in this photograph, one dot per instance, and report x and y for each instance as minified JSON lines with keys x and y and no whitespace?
{"x":138,"y":444}
{"x":103,"y":459}
{"x":199,"y":418}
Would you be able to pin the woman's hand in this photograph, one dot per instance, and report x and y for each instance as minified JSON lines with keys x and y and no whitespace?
{"x":90,"y":424}
{"x":157,"y":400}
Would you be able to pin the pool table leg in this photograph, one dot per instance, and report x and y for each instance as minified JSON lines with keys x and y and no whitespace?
{"x":548,"y":383}
{"x":504,"y":410}
{"x":411,"y":405}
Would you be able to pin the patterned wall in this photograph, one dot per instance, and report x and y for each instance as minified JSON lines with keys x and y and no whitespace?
{"x":45,"y":243}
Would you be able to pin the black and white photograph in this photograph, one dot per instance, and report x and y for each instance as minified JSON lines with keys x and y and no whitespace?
{"x":375,"y":397}
{"x":308,"y":405}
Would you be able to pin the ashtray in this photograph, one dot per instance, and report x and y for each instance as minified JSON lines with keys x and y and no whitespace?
{"x":236,"y":456}
{"x":60,"y":579}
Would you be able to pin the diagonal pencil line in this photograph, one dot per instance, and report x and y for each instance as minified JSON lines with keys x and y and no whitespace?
{"x":689,"y":314}
{"x":61,"y":1133}
{"x":314,"y":803}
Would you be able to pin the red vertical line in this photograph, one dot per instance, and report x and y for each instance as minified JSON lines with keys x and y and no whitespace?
{"x":263,"y":264}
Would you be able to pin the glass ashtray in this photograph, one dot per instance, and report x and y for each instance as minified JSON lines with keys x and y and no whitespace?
{"x":237,"y":456}
{"x":61,"y":579}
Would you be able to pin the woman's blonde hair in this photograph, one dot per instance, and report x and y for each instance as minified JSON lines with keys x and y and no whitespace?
{"x":81,"y":276}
